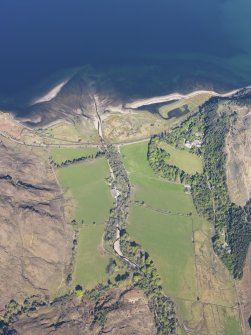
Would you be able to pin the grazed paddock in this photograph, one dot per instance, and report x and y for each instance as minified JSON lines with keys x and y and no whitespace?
{"x":87,"y":201}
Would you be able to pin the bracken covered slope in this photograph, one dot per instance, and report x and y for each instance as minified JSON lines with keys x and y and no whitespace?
{"x":239,"y":156}
{"x":35,"y":242}
{"x":124,"y":313}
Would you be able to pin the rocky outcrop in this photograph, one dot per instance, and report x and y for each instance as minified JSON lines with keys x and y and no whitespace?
{"x":35,"y":242}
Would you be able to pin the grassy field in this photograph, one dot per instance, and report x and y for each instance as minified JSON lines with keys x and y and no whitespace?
{"x":90,"y":263}
{"x":183,"y":159}
{"x":62,"y":154}
{"x":168,"y":238}
{"x":87,"y":198}
{"x":163,"y":236}
{"x":191,"y":273}
{"x":86,"y":191}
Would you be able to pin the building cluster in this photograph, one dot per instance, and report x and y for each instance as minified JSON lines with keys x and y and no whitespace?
{"x":197,"y":143}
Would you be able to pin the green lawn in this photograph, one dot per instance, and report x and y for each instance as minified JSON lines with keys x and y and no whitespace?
{"x":167,"y":238}
{"x":86,"y":189}
{"x":183,"y":159}
{"x":60,"y":155}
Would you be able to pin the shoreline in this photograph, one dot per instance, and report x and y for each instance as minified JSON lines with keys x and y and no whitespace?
{"x":177,"y":96}
{"x":119,"y":108}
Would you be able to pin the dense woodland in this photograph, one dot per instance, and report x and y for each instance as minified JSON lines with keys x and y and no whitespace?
{"x":209,"y":190}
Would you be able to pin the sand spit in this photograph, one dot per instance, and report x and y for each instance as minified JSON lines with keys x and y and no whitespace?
{"x":175,"y":96}
{"x":52,"y":93}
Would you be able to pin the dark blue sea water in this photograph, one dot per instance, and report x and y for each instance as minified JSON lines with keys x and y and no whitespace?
{"x":41,"y":37}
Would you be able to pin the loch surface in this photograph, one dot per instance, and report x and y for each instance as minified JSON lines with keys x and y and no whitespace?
{"x":39,"y":38}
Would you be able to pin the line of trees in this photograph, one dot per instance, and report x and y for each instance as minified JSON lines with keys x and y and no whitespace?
{"x":75,"y":160}
{"x":120,"y":183}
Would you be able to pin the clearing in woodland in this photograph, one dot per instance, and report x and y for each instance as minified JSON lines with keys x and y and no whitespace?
{"x":183,"y":159}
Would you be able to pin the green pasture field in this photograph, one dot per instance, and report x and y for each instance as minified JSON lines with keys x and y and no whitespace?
{"x":167,"y":237}
{"x":89,"y":196}
{"x":183,"y":159}
{"x":90,"y":263}
{"x":86,"y":188}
